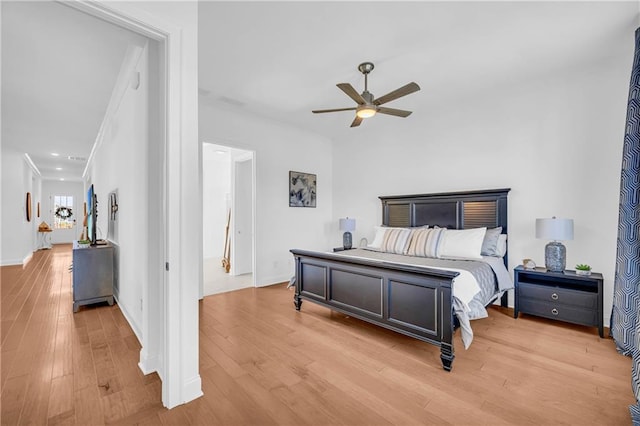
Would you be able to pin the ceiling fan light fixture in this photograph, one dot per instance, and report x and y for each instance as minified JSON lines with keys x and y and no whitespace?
{"x":366,"y":111}
{"x":367,"y":104}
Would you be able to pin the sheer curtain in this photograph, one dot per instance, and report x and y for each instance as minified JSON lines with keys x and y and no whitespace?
{"x":625,"y":317}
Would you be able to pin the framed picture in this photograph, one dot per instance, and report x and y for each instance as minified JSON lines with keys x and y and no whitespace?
{"x":302,"y":189}
{"x":28,"y":207}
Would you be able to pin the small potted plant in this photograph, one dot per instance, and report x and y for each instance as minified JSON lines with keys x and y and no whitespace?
{"x":583,"y":269}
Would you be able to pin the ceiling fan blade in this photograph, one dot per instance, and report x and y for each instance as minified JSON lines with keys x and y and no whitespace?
{"x":351,"y":92}
{"x":317,"y":111}
{"x":398,"y":93}
{"x":393,"y":111}
{"x":356,"y":121}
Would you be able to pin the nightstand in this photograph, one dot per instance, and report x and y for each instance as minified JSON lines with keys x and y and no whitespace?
{"x":562,"y":296}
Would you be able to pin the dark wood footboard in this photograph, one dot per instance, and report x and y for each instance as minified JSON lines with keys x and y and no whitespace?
{"x":409,"y":300}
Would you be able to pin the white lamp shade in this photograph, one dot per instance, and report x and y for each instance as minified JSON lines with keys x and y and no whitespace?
{"x":554,"y":229}
{"x":347,"y":225}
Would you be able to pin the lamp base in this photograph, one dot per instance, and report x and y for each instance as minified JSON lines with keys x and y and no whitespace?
{"x":555,"y":256}
{"x":347,"y":242}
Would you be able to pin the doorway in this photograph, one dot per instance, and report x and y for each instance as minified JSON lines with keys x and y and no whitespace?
{"x":228,"y":216}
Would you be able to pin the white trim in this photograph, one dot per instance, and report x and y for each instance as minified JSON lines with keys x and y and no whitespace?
{"x":276,"y":279}
{"x":128,"y":317}
{"x":149,"y":364}
{"x":125,"y":15}
{"x":254,"y":240}
{"x":32,"y":165}
{"x":200,"y":239}
{"x":15,"y":262}
{"x":27,"y":259}
{"x":178,"y":358}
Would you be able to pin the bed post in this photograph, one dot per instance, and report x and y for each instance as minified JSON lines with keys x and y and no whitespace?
{"x":446,"y":322}
{"x":297,"y":300}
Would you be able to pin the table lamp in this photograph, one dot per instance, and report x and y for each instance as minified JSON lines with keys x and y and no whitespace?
{"x":555,"y":253}
{"x":347,"y":225}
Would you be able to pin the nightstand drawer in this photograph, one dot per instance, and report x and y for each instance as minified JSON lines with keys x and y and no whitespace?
{"x":554,"y":295}
{"x":559,"y":311}
{"x":564,"y":296}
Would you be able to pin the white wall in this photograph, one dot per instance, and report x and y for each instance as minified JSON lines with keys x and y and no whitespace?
{"x":51,"y":188}
{"x":555,"y":140}
{"x":278,"y":149}
{"x":18,"y":235}
{"x":121,"y":163}
{"x":36,"y":200}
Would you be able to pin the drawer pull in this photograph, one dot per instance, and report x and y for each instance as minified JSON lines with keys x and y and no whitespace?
{"x":554,"y":311}
{"x":554,"y":296}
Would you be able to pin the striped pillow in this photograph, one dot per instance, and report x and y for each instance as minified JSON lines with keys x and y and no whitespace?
{"x":395,"y":240}
{"x":425,"y":242}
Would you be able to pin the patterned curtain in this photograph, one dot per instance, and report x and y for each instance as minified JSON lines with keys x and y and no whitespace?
{"x":625,"y":317}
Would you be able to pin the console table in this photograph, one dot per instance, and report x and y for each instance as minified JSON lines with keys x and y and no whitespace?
{"x":44,"y":239}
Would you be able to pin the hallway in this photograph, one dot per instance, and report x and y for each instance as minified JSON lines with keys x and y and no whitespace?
{"x":60,"y":367}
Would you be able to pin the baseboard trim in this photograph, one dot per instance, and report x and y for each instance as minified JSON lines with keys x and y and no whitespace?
{"x":192,"y":389}
{"x":27,"y":259}
{"x":273,"y":280}
{"x":133,"y":325}
{"x":14,"y":262}
{"x":149,"y":364}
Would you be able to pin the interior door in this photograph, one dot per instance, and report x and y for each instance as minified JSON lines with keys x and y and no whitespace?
{"x":71,"y":230}
{"x":242,"y":218}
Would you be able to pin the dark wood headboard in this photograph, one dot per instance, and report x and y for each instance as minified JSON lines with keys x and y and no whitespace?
{"x":454,"y":210}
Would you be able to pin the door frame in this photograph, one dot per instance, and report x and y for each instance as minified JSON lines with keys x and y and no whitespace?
{"x":173,"y":349}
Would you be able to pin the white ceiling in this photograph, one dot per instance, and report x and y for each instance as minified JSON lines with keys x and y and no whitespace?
{"x":59,"y":67}
{"x":283,"y":59}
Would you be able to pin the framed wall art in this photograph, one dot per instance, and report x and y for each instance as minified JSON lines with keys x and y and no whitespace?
{"x":302,"y":189}
{"x":28,"y":207}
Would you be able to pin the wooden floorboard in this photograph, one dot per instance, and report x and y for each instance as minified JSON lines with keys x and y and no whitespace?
{"x":264,"y":363}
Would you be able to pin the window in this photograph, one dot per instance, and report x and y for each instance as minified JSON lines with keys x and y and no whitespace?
{"x":63,"y":215}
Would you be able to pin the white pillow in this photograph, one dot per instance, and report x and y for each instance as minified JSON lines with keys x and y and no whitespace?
{"x":378,"y":237}
{"x":501,"y":247}
{"x":462,"y":243}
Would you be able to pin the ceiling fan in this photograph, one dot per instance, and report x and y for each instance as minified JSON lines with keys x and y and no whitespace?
{"x":368,"y":106}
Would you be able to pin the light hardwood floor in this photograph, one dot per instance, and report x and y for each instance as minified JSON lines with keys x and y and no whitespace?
{"x":263,"y":363}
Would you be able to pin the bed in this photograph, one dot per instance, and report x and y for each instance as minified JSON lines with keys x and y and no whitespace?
{"x":394,"y":291}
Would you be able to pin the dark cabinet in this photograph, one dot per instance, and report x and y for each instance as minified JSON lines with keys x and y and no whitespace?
{"x":563,"y":296}
{"x":92,"y":275}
